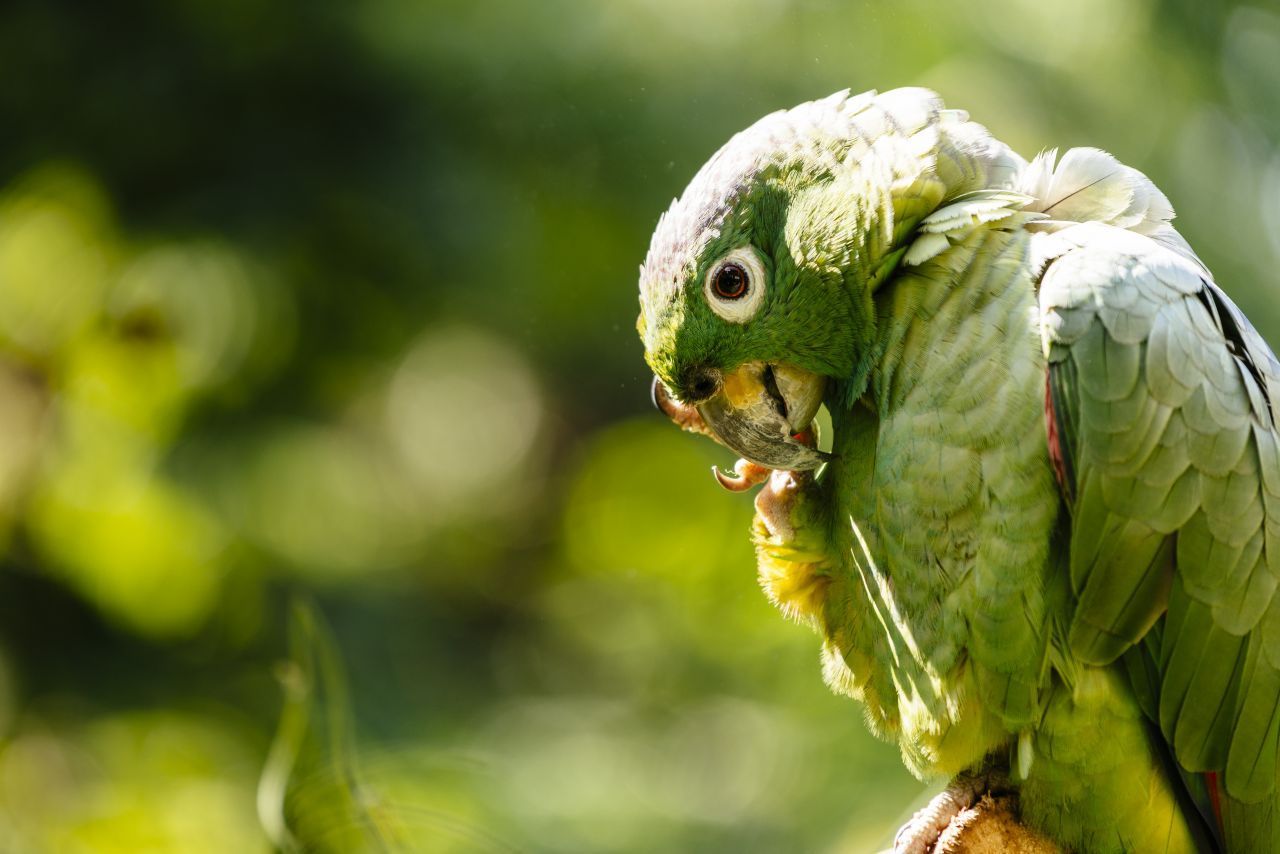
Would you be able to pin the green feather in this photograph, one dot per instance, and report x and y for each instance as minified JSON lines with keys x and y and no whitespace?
{"x":1124,"y":639}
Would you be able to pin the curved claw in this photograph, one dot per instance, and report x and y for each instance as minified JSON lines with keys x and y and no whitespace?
{"x":745,"y":475}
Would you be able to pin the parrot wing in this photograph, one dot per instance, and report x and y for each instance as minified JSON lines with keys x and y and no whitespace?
{"x":1161,"y":418}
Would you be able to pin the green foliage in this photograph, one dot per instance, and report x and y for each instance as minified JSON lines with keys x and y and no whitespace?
{"x":338,"y":300}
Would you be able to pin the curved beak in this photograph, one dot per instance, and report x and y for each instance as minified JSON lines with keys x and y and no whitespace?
{"x":764,"y":411}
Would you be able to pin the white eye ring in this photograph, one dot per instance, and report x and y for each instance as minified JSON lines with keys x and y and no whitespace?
{"x":722,"y":284}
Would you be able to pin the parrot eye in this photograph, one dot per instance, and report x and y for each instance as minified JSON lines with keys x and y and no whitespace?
{"x":735,"y":285}
{"x":730,"y":282}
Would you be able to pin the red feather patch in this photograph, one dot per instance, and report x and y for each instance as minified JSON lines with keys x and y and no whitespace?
{"x":1055,"y":442}
{"x":1211,"y":781}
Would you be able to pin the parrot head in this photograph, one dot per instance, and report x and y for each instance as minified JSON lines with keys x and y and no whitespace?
{"x":756,"y":291}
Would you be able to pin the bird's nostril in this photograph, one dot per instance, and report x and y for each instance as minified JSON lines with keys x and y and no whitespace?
{"x":700,"y":385}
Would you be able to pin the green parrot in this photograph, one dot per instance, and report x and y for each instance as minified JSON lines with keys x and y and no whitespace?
{"x":1043,"y":548}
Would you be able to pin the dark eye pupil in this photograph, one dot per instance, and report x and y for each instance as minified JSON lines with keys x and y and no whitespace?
{"x":731,"y":282}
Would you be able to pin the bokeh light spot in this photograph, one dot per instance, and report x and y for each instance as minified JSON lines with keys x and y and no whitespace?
{"x":464,"y":412}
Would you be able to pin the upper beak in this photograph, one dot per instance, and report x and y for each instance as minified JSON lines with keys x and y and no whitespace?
{"x":762,"y":411}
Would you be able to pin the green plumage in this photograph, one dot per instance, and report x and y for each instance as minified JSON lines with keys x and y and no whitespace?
{"x":1049,"y":535}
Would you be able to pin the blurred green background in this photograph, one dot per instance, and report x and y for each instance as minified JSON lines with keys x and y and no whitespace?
{"x":333,"y":303}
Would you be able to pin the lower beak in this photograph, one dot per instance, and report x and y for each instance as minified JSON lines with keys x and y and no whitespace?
{"x":764,"y":411}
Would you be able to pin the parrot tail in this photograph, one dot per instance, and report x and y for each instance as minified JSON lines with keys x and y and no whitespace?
{"x":1252,"y":828}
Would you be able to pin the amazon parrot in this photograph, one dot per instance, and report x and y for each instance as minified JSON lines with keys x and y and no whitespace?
{"x":1040,"y":542}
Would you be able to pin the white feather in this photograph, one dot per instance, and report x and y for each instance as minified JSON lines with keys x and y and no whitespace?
{"x":925,"y":247}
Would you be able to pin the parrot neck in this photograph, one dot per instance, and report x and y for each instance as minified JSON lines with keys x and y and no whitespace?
{"x":982,"y":277}
{"x":901,"y":191}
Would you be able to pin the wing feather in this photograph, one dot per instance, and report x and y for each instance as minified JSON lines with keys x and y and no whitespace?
{"x":1162,"y":394}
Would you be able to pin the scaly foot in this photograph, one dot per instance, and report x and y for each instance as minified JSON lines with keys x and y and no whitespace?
{"x":976,"y":814}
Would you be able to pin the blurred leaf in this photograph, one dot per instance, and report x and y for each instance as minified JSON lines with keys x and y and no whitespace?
{"x":315,"y":794}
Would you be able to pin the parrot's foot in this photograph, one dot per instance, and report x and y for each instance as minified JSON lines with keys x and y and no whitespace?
{"x":922,"y":834}
{"x":974,"y":814}
{"x":774,"y":503}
